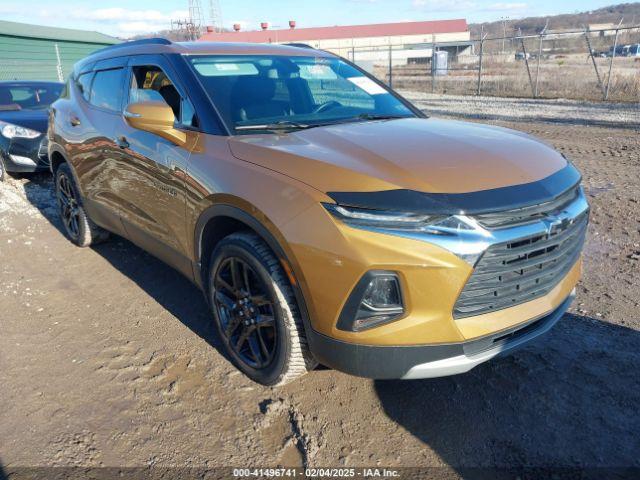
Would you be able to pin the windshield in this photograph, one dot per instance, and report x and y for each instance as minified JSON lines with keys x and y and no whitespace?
{"x":28,"y":97}
{"x":255,"y":93}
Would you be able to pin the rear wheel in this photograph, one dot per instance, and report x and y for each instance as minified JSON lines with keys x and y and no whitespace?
{"x":255,"y":311}
{"x":77,"y":224}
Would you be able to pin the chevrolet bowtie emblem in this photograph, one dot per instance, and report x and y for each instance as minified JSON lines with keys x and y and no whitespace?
{"x":554,"y":223}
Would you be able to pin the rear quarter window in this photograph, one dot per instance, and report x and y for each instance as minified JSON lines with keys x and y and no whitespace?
{"x":83,"y":82}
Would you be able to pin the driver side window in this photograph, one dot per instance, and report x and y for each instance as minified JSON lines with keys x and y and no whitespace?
{"x":150,"y":83}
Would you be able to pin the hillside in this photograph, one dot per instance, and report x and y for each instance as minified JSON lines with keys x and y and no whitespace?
{"x":532,"y":25}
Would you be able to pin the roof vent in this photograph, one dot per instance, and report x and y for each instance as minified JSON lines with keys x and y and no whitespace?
{"x":237,"y":27}
{"x":292,"y":24}
{"x":264,"y":25}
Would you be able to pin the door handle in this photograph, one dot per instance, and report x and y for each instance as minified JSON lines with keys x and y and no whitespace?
{"x":122,"y":142}
{"x":74,"y":121}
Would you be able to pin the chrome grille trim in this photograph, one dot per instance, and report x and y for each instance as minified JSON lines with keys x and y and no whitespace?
{"x":521,"y":268}
{"x":521,"y":216}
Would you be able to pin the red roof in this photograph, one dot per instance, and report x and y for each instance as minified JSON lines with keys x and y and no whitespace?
{"x":328,"y":33}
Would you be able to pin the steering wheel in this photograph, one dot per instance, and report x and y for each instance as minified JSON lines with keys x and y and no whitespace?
{"x":323,"y":107}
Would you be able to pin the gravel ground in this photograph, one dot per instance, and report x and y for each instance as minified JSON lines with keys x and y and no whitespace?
{"x":108,"y":358}
{"x":573,"y":112}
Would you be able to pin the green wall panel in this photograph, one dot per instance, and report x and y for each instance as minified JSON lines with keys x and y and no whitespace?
{"x":23,"y":58}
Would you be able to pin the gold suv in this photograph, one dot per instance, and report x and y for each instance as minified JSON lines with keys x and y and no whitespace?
{"x":326,"y":219}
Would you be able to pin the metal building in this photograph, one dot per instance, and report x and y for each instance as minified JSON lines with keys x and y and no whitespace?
{"x":34,"y":52}
{"x":367,"y":45}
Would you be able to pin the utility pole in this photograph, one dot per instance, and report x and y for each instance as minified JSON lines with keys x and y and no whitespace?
{"x":504,"y":32}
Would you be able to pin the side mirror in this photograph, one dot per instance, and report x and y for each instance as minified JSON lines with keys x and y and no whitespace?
{"x":157,"y":118}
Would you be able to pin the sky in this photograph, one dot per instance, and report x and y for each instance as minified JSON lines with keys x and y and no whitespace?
{"x":125,"y":18}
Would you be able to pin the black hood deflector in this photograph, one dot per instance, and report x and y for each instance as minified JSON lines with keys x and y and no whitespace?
{"x":472,"y":203}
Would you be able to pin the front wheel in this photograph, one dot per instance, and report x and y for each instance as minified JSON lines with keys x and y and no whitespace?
{"x":3,"y":170}
{"x":77,"y":224}
{"x":255,"y":311}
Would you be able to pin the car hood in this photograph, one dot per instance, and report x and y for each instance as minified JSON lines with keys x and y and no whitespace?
{"x":427,"y":155}
{"x":33,"y":119}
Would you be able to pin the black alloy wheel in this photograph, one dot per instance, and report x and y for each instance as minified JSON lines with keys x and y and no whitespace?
{"x":68,"y":203}
{"x":246,"y":312}
{"x":255,"y":311}
{"x":77,"y":224}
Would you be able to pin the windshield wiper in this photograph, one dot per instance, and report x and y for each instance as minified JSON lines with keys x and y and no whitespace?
{"x":372,"y":117}
{"x":277,"y":126}
{"x":379,"y":116}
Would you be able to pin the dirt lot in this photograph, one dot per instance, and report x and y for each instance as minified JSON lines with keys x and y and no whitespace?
{"x":108,"y":358}
{"x":569,"y":112}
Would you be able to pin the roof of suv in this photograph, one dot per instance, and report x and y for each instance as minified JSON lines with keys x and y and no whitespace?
{"x":163,"y":46}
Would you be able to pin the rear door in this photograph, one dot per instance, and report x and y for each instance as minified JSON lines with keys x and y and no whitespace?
{"x":153,"y":196}
{"x":90,"y":124}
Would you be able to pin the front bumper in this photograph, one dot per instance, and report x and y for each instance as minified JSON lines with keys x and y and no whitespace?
{"x":429,"y":361}
{"x":23,"y":155}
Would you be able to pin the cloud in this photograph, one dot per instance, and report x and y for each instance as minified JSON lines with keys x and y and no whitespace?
{"x":118,"y":15}
{"x":500,"y":7}
{"x":468,"y":6}
{"x":128,"y":22}
{"x":444,"y":5}
{"x":121,"y":22}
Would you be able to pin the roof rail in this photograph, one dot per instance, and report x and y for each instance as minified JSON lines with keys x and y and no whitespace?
{"x":132,"y":43}
{"x":298,"y":45}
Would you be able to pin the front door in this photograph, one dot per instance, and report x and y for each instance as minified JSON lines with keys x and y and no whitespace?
{"x":153,"y":197}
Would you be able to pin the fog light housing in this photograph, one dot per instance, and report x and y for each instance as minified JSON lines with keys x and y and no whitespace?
{"x":376,"y":300}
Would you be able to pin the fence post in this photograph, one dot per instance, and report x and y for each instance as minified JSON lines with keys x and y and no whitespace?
{"x":535,"y":94}
{"x":390,"y":66}
{"x":59,"y":63}
{"x":482,"y":38}
{"x":526,"y":61}
{"x":433,"y":64}
{"x":593,"y":59}
{"x":613,"y":56}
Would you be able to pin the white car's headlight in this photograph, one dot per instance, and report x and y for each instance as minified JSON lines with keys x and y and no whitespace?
{"x":15,"y":131}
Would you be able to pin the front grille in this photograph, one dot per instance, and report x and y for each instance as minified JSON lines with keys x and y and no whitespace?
{"x":519,"y":271}
{"x":522,"y":216}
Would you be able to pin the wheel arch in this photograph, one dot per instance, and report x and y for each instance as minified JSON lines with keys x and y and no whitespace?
{"x":223,"y":219}
{"x":56,"y":158}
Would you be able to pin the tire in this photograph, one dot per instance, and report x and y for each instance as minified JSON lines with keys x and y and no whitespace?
{"x":274,"y":350}
{"x":77,"y":224}
{"x":3,"y":170}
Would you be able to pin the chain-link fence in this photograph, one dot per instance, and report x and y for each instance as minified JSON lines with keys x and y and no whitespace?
{"x":581,"y":65}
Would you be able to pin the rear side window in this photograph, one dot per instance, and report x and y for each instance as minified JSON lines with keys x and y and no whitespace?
{"x":106,"y":90}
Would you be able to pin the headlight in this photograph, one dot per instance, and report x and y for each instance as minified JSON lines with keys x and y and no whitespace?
{"x":408,"y":222}
{"x":460,"y":234}
{"x":15,"y":131}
